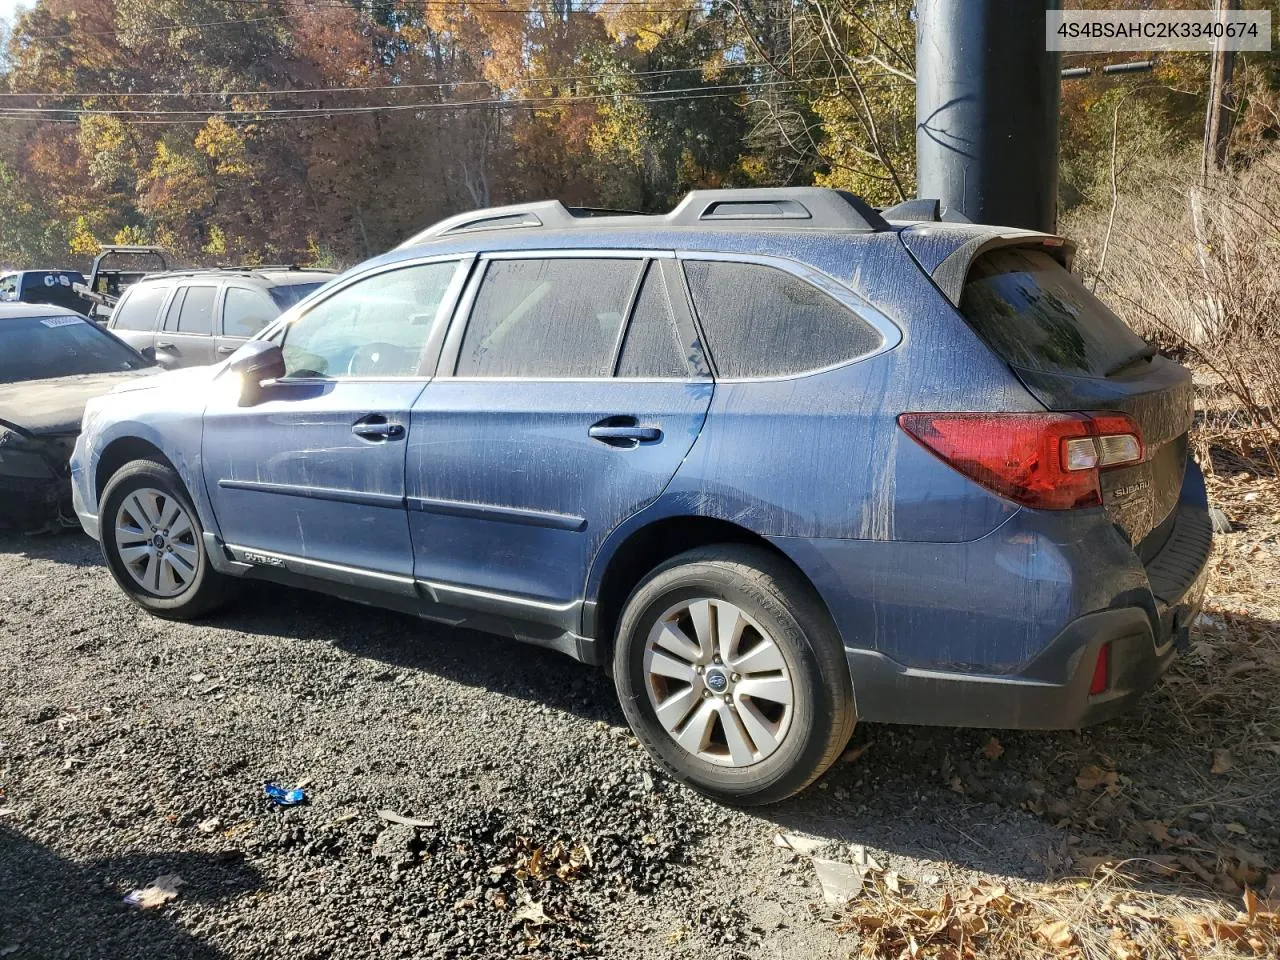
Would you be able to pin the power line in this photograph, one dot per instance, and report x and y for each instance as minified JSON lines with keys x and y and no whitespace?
{"x":388,"y":108}
{"x":660,"y":96}
{"x":434,"y":85}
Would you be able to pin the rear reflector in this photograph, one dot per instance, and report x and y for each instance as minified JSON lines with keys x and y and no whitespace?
{"x":1101,"y":671}
{"x":1049,"y":461}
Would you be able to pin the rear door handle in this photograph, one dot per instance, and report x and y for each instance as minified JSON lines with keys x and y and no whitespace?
{"x":623,"y":432}
{"x":164,"y":345}
{"x":377,"y":428}
{"x":225,"y":350}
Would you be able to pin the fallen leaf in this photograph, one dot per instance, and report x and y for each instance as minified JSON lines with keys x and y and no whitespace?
{"x":993,"y":750}
{"x":162,"y":889}
{"x":840,"y":882}
{"x":531,"y":913}
{"x":853,"y":753}
{"x":1057,"y":935}
{"x":209,"y":826}
{"x":1158,"y":831}
{"x":1237,"y":828}
{"x":1121,"y":947}
{"x":1093,"y":776}
{"x":1221,"y":762}
{"x":863,"y":860}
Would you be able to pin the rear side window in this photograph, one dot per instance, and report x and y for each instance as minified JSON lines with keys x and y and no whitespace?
{"x":140,"y":307}
{"x":761,"y":321}
{"x":652,"y":347}
{"x":548,"y":318}
{"x":195,"y":316}
{"x":244,"y":312}
{"x":1034,"y":314}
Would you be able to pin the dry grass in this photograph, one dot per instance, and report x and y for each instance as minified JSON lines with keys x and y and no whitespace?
{"x":1193,"y":268}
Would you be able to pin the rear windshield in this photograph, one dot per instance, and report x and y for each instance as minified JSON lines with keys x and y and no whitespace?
{"x":37,"y":348}
{"x":1036,"y":315}
{"x":286,"y":297}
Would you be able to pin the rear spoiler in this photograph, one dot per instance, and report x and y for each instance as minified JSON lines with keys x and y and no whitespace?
{"x":946,"y":251}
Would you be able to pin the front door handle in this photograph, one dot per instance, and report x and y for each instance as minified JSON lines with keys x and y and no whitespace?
{"x":164,"y":345}
{"x":623,"y":432}
{"x":377,"y":428}
{"x":226,"y":349}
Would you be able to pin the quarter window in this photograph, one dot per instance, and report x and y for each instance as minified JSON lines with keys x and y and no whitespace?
{"x":140,"y":307}
{"x":548,"y":318}
{"x":244,"y":312}
{"x":377,"y":327}
{"x":761,"y":321}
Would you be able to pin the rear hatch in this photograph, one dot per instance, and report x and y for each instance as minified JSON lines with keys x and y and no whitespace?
{"x":1073,"y":353}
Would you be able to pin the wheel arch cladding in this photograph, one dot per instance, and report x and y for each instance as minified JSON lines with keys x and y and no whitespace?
{"x":644,"y":549}
{"x":122,"y":451}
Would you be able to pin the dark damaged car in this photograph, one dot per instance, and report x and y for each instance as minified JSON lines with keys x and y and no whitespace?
{"x":52,"y":361}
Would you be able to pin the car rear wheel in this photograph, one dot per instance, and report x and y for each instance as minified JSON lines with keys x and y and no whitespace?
{"x":154,"y":545}
{"x":732,"y":675}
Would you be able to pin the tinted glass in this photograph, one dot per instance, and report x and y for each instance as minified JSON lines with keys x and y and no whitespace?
{"x":374,"y":328}
{"x":175,"y":306}
{"x":547,"y":318}
{"x":764,"y":322}
{"x":140,"y":307}
{"x":1035,"y":314}
{"x":285,"y":297}
{"x":245,"y":312}
{"x":196,"y":313}
{"x":37,"y":348}
{"x":652,"y":345}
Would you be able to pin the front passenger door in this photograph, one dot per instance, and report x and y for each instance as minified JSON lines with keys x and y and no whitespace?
{"x":311,"y":478}
{"x":244,"y":313}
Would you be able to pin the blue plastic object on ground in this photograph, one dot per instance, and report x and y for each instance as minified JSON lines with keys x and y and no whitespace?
{"x":285,"y":798}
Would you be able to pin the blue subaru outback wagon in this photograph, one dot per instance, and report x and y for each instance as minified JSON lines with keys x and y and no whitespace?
{"x":780,"y":460}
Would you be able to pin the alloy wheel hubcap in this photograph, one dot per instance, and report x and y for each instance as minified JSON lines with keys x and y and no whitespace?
{"x":718,"y":682}
{"x":156,"y":541}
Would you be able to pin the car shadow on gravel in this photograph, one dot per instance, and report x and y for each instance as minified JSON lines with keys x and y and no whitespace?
{"x":52,"y":907}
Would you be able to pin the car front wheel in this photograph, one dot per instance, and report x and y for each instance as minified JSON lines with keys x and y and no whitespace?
{"x":154,"y":545}
{"x":732,"y":675}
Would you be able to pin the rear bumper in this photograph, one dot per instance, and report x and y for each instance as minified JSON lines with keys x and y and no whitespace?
{"x":1052,"y":691}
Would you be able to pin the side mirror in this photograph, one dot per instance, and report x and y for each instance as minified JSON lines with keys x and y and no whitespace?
{"x":149,"y":353}
{"x":253,"y":363}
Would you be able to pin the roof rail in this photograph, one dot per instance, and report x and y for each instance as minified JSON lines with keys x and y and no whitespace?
{"x":774,"y":208}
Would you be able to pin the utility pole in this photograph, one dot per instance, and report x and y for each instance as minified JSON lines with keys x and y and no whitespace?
{"x":1217,"y":120}
{"x":987,"y":95}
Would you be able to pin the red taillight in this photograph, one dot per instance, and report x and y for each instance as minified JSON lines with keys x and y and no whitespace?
{"x":1101,"y":671}
{"x":1045,"y":460}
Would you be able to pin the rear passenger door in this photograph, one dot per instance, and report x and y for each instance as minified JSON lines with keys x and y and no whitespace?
{"x":186,"y":337}
{"x":136,"y":316}
{"x":244,"y":312}
{"x":569,"y":391}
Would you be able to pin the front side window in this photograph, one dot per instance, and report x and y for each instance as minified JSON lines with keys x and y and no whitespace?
{"x":376,"y":327}
{"x":140,"y":307}
{"x":245,"y":312}
{"x":555,"y":317}
{"x":762,"y":321}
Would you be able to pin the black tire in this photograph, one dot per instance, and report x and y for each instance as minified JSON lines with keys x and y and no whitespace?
{"x":205,"y":591}
{"x":770,"y":592}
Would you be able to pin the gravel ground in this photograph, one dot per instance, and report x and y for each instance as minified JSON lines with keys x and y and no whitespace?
{"x":132,"y":748}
